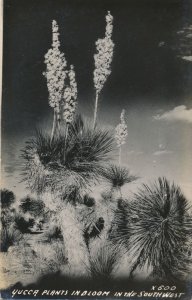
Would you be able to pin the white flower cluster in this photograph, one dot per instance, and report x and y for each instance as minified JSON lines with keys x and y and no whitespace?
{"x":70,"y":97}
{"x":56,"y":70}
{"x":121,"y":131}
{"x":104,"y":55}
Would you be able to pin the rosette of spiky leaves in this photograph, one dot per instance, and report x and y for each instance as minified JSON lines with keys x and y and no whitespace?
{"x":84,"y":150}
{"x":87,"y":147}
{"x":43,"y":168}
{"x":103,"y":263}
{"x":155,"y":228}
{"x":38,"y":153}
{"x":117,"y":176}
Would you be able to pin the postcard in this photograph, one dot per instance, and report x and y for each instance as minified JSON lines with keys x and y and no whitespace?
{"x":96,"y":139}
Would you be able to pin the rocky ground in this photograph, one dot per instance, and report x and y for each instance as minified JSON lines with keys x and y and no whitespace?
{"x":32,"y":258}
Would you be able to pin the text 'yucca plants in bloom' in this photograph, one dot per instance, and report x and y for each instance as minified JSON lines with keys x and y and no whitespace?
{"x":103,"y":60}
{"x":121,"y":133}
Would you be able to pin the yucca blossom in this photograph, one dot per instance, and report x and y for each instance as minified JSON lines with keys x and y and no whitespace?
{"x":103,"y":60}
{"x":55,"y":74}
{"x":69,"y":102}
{"x":121,"y":133}
{"x":70,"y":97}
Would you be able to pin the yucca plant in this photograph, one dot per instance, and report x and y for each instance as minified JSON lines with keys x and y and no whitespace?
{"x":84,"y":150}
{"x":103,"y":262}
{"x":120,"y":230}
{"x":93,"y":230}
{"x":117,"y":176}
{"x":114,"y":177}
{"x":155,"y":227}
{"x":66,"y":168}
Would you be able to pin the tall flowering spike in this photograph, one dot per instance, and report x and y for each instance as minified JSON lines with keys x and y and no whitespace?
{"x":104,"y":55}
{"x":55,"y":70}
{"x":103,"y":59}
{"x":70,"y":97}
{"x":121,"y":131}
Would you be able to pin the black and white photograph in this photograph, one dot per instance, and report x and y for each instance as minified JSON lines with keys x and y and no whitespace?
{"x":96,"y":149}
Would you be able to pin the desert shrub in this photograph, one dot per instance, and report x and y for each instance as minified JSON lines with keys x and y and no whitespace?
{"x":49,"y":257}
{"x":23,"y":224}
{"x":33,"y":206}
{"x":10,"y":236}
{"x":7,"y":198}
{"x":88,"y":201}
{"x":8,"y":216}
{"x":53,"y":233}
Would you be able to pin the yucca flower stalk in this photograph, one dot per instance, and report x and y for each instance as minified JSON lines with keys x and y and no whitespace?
{"x":70,"y":97}
{"x":103,"y":60}
{"x":121,"y":133}
{"x":155,"y":228}
{"x":69,"y":102}
{"x":55,"y":74}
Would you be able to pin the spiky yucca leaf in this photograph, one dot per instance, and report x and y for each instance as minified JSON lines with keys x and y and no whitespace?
{"x":155,"y":227}
{"x":117,"y":176}
{"x":84,"y":149}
